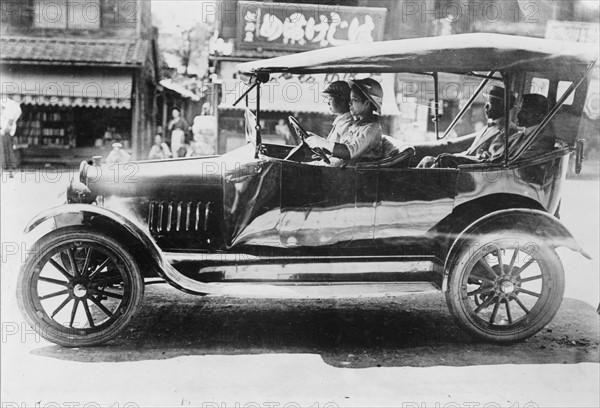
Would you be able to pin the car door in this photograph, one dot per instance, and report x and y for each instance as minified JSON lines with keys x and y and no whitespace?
{"x":411,"y":201}
{"x":318,"y":205}
{"x":251,"y":205}
{"x":367,"y":185}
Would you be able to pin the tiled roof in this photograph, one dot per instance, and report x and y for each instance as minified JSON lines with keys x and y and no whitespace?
{"x":74,"y":51}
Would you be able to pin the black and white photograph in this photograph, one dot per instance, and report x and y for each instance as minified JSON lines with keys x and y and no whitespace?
{"x":311,"y":203}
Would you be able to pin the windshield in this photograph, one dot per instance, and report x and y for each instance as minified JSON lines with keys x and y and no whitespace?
{"x":250,"y":128}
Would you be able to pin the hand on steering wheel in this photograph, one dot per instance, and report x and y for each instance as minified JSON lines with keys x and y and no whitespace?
{"x":303,"y":135}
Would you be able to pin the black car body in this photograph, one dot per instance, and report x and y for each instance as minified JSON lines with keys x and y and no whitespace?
{"x":262,"y":221}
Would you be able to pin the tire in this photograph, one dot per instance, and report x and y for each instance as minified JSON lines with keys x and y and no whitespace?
{"x":82,"y":306}
{"x":507,"y":289}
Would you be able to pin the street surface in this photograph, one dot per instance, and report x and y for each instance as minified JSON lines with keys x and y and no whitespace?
{"x":182,"y":350}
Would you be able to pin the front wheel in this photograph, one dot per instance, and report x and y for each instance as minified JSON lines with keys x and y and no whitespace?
{"x":79,"y":288}
{"x":507,"y":289}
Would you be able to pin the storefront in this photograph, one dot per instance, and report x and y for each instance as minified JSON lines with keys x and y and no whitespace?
{"x":77,"y":103}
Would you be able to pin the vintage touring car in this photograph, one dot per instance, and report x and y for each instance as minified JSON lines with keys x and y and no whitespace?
{"x":261,"y":220}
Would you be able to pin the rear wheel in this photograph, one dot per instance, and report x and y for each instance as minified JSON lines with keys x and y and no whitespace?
{"x":79,"y":288}
{"x":506,"y":290}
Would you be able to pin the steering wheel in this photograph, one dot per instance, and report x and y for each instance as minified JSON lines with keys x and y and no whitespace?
{"x":303,"y":135}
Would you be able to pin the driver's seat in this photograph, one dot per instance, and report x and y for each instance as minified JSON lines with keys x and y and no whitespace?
{"x":394,"y":152}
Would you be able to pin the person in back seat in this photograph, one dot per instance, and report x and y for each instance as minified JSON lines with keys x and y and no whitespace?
{"x":533,"y":110}
{"x":480,"y":148}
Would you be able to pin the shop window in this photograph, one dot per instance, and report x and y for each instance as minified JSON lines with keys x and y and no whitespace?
{"x":101,"y":127}
{"x":562,"y":88}
{"x":46,"y":126}
{"x":539,"y":86}
{"x":67,"y":14}
{"x":447,"y":110}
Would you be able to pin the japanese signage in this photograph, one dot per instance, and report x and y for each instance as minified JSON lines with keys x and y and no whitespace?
{"x":306,"y":26}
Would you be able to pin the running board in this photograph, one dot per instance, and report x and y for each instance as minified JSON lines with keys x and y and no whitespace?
{"x":324,"y":291}
{"x":304,"y":269}
{"x":241,"y":275}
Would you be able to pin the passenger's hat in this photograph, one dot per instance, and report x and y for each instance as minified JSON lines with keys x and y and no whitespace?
{"x":337,"y":88}
{"x":371,"y":89}
{"x":535,"y":103}
{"x":497,"y":92}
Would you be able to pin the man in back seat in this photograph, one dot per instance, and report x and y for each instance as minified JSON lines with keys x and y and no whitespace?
{"x":531,"y":114}
{"x":480,"y":148}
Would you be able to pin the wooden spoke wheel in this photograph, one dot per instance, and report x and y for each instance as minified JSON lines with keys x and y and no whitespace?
{"x":507,"y":289}
{"x":79,"y":288}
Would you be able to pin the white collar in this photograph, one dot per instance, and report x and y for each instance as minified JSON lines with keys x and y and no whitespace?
{"x":343,"y":116}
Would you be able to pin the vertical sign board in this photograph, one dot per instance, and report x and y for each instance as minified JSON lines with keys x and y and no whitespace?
{"x":300,"y":27}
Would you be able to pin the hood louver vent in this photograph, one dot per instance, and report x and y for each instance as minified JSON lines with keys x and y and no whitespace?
{"x":178,"y":216}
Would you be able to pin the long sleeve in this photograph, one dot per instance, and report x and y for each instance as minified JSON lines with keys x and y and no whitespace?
{"x":365,"y":140}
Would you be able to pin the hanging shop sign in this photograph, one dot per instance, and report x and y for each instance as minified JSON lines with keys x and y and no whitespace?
{"x":306,"y":26}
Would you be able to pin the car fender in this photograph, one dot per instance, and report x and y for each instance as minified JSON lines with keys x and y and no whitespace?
{"x":146,"y":249}
{"x":529,"y":221}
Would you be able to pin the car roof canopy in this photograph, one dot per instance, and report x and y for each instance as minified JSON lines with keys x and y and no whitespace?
{"x":459,"y":53}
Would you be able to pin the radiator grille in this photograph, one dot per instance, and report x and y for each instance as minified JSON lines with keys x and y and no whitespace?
{"x":178,"y":216}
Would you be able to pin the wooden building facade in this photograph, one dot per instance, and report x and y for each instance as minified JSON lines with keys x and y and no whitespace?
{"x":86,"y":75}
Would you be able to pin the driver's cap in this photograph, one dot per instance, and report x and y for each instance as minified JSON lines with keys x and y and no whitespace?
{"x":337,"y":88}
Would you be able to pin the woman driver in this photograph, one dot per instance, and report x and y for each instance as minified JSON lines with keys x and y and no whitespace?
{"x":364,"y":137}
{"x":338,"y":99}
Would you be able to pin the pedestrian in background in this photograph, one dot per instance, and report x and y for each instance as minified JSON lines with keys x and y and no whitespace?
{"x":118,"y":155}
{"x":205,"y":132}
{"x":159,"y":150}
{"x":10,"y":111}
{"x":283,"y":130}
{"x":178,"y":127}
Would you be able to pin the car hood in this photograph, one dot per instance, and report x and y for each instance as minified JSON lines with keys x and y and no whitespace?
{"x":143,"y":178}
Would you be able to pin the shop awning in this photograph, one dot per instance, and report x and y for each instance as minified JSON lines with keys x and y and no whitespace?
{"x":29,"y":86}
{"x":175,"y":87}
{"x":285,"y":93}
